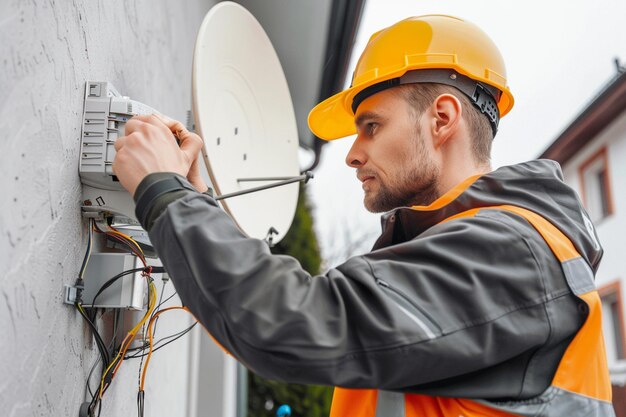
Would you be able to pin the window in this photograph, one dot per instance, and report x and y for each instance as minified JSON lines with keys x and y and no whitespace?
{"x":596,"y":189}
{"x":613,"y":321}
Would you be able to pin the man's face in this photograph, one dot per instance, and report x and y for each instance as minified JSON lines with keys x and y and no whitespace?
{"x":391,"y":155}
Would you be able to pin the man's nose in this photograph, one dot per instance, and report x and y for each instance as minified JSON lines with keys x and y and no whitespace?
{"x":356,"y":156}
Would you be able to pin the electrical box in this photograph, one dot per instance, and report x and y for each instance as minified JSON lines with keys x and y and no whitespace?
{"x":126,"y":292}
{"x":105,"y":115}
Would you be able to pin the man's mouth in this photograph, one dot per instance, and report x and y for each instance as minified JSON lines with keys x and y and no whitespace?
{"x":364,"y":175}
{"x":365,"y":179}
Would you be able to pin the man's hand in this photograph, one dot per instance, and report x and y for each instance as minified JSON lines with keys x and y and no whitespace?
{"x":183,"y":135}
{"x":150,"y":146}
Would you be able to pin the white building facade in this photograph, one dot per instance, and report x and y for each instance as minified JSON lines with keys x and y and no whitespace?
{"x":592,"y":153}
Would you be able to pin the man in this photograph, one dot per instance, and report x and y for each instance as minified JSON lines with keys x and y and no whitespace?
{"x":478,"y":297}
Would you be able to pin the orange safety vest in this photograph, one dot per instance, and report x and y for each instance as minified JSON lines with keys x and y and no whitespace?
{"x":580,"y":387}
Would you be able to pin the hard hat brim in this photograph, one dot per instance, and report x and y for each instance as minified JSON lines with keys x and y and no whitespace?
{"x":333,"y":118}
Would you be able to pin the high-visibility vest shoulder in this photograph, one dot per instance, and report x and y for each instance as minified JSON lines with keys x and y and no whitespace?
{"x":579,"y":388}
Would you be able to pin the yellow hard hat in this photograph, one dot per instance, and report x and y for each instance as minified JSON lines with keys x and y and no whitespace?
{"x":433,"y":48}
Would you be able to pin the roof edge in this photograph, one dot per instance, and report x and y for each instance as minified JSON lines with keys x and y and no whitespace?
{"x":603,"y":109}
{"x":345,"y":18}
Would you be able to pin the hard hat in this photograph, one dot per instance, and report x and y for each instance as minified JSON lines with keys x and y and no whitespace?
{"x":433,"y":48}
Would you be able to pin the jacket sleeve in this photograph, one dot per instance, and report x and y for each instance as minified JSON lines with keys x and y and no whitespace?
{"x":463,"y":296}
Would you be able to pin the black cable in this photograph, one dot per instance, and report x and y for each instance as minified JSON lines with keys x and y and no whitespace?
{"x":111,"y":347}
{"x":161,"y":302}
{"x":140,"y":403}
{"x":88,"y":252}
{"x":156,"y":309}
{"x":166,"y":300}
{"x":176,"y":337}
{"x":113,"y":280}
{"x":104,"y":354}
{"x":145,"y":346}
{"x":151,"y":269}
{"x":93,"y":368}
{"x":99,"y":342}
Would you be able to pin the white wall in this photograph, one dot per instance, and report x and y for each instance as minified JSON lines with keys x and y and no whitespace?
{"x":612,"y":229}
{"x":48,"y":50}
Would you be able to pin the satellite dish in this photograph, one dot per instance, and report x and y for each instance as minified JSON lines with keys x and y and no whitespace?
{"x":243,"y":111}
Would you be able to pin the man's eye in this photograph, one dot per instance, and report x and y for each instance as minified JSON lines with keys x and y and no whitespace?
{"x":371,"y":127}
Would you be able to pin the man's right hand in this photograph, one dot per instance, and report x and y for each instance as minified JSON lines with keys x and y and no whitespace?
{"x":179,"y":130}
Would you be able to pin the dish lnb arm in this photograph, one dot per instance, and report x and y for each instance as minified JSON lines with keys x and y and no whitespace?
{"x":280,"y":181}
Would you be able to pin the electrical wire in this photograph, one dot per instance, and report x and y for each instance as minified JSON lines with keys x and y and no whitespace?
{"x":111,"y":369}
{"x":144,"y":346}
{"x":116,"y":362}
{"x":111,"y":282}
{"x":158,"y":305}
{"x":116,"y":329}
{"x":99,"y":342}
{"x":104,"y":355}
{"x":157,"y":344}
{"x":150,"y":336}
{"x":83,"y":267}
{"x":111,"y":366}
{"x":93,"y":368}
{"x":127,"y":237}
{"x":102,"y":349}
{"x":127,"y":240}
{"x":166,"y":300}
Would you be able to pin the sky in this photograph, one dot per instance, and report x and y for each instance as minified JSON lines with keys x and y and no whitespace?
{"x":559,"y":54}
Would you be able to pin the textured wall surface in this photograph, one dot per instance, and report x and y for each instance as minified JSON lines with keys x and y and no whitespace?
{"x":48,"y":50}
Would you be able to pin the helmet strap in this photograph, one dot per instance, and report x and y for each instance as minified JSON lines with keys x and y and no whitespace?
{"x":482,"y":96}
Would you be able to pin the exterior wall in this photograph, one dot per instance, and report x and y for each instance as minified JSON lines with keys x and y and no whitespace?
{"x":610,"y":229}
{"x":614,"y":138}
{"x":48,"y":50}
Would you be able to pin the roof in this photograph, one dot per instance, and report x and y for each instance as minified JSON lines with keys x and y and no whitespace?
{"x":602,"y":110}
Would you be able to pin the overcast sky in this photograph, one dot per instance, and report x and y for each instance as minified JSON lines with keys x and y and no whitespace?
{"x":558,"y":55}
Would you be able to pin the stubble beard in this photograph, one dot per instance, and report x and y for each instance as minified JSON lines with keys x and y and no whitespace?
{"x":417,"y":185}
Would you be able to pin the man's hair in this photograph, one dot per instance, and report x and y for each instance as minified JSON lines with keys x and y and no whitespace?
{"x":420,"y":96}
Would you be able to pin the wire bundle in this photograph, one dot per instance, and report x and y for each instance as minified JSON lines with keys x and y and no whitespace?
{"x":110,"y":357}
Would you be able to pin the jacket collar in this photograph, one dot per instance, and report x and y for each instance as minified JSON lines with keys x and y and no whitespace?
{"x":405,"y":223}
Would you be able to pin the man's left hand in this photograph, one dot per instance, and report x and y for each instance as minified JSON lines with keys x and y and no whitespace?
{"x":150,"y":146}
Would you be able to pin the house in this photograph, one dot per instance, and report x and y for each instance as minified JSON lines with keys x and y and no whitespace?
{"x":592,"y":151}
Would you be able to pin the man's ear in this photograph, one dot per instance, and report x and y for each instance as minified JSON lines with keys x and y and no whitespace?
{"x":446,"y":113}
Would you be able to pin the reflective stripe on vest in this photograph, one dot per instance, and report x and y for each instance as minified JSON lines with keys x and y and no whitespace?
{"x":580,"y":387}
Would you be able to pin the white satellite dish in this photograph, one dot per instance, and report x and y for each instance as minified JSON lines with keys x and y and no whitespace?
{"x":243,"y":111}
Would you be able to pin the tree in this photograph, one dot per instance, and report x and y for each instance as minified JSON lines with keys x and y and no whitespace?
{"x":265,"y":396}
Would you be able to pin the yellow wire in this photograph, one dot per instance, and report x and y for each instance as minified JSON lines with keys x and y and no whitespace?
{"x":81,"y":309}
{"x":133,"y":242}
{"x":130,"y":336}
{"x":127,"y":237}
{"x":150,"y":336}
